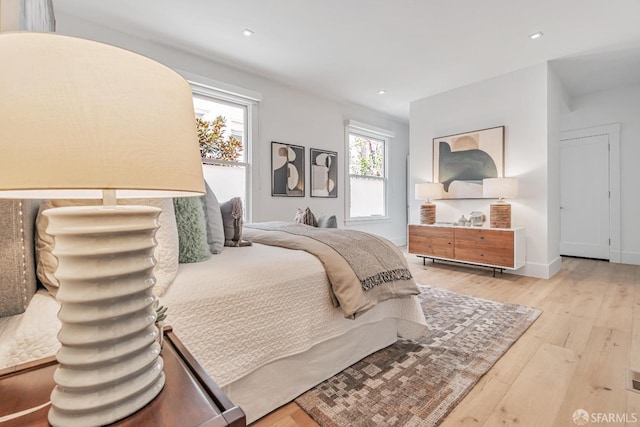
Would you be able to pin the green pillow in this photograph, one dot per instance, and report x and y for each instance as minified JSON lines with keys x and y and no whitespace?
{"x":192,"y":230}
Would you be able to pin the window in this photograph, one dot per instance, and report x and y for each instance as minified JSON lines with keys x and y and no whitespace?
{"x":223,"y":133}
{"x":367,"y":189}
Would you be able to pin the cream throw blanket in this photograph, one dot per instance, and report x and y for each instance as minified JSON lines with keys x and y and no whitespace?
{"x":363,"y":269}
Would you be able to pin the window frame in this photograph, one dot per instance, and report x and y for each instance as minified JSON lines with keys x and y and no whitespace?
{"x":366,"y":131}
{"x":249,"y":103}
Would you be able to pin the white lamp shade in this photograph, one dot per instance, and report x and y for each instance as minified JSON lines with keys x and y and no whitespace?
{"x":501,"y":188}
{"x":78,"y":117}
{"x":429,"y":191}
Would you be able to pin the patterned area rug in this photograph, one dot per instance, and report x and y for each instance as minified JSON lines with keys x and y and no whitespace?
{"x":417,"y":383}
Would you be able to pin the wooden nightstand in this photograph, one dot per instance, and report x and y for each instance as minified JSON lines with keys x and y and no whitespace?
{"x":189,"y":398}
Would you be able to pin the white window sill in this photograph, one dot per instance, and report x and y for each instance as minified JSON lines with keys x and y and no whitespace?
{"x":367,"y":220}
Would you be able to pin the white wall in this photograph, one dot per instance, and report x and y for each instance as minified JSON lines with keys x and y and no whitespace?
{"x":285,"y":115}
{"x":10,"y":15}
{"x":518,"y":101}
{"x":557,"y":102}
{"x":621,"y":105}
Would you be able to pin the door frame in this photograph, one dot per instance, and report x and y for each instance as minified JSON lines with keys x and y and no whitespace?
{"x":613,"y":132}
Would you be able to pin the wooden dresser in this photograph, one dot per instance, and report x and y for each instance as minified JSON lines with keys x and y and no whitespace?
{"x":498,"y":248}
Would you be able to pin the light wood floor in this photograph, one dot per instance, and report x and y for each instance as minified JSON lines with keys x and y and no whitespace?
{"x":575,"y":356}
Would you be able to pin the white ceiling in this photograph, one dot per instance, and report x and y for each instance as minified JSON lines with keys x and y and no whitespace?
{"x":350,"y":49}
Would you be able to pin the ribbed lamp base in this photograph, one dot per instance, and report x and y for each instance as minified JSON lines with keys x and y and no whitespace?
{"x":500,"y":215}
{"x":109,"y":357}
{"x":428,"y":213}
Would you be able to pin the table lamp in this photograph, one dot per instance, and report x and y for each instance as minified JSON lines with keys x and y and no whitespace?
{"x":428,"y":191}
{"x":500,"y":188}
{"x":81,"y":119}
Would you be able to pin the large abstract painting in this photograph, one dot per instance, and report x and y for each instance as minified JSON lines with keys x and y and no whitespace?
{"x":462,"y":161}
{"x":324,"y":173}
{"x":287,"y":170}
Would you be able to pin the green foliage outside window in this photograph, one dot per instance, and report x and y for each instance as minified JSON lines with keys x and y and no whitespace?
{"x":213,"y":144}
{"x":366,"y":156}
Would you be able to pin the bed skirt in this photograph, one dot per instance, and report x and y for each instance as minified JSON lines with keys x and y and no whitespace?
{"x":266,"y":388}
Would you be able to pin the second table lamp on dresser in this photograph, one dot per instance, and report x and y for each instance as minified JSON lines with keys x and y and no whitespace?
{"x":500,"y":188}
{"x":428,"y":191}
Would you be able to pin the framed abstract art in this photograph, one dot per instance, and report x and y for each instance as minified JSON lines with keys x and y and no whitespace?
{"x":462,"y":161}
{"x":287,"y":170}
{"x":324,"y":173}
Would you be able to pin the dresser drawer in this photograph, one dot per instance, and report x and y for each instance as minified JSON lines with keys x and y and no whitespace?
{"x":431,"y":241}
{"x":492,"y":247}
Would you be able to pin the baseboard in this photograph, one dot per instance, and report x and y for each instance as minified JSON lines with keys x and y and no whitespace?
{"x":555,"y":266}
{"x":540,"y":271}
{"x":630,"y":258}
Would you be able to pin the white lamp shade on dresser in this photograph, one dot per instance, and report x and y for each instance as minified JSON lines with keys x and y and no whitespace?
{"x":500,"y":188}
{"x":428,"y":191}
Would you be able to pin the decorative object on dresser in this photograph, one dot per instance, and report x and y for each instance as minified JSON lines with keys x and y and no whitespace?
{"x":287,"y":170}
{"x":428,"y":191}
{"x":477,"y":218}
{"x":463,"y":222}
{"x":495,"y":248}
{"x":462,"y":161}
{"x":500,"y":188}
{"x":95,"y":136}
{"x":324,"y":173}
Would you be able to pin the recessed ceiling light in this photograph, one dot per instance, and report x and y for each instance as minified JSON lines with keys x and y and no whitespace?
{"x":536,"y":35}
{"x":382,"y":92}
{"x":247,"y":32}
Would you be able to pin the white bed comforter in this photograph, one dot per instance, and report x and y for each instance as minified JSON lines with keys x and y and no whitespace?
{"x":31,"y":335}
{"x":239,"y":310}
{"x":249,"y":306}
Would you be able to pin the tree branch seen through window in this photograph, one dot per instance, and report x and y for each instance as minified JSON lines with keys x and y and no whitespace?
{"x":366,"y":156}
{"x":213,"y":144}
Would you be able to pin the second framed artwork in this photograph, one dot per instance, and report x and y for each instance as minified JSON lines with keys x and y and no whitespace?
{"x":324,"y":173}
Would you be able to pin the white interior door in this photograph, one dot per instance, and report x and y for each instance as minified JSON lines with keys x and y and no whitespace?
{"x":584,"y":197}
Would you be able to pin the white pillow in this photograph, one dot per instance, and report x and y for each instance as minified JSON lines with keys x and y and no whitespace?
{"x":166,"y":253}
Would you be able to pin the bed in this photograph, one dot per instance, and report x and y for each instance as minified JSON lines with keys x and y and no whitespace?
{"x":260,"y":320}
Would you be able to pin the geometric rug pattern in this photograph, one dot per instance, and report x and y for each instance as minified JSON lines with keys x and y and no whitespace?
{"x":417,"y":383}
